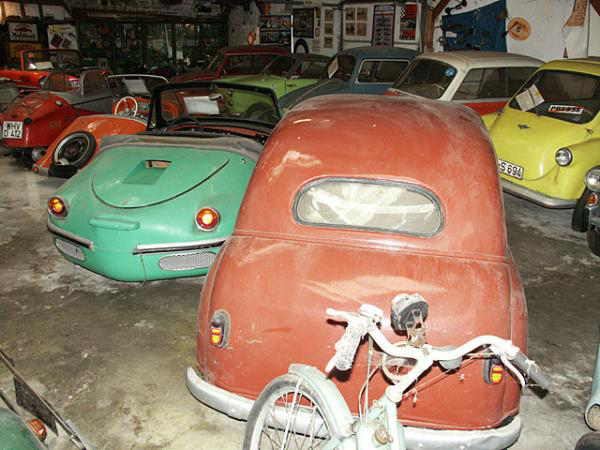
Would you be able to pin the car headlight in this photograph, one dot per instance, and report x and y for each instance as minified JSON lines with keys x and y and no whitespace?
{"x":592,"y":179}
{"x":563,"y":156}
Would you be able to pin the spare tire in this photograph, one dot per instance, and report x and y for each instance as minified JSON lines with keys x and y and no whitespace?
{"x":76,"y":148}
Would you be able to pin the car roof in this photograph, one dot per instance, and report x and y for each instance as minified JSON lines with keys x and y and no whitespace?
{"x":440,"y":146}
{"x":468,"y":59}
{"x":309,"y":56}
{"x":589,"y":65}
{"x":379,"y":52}
{"x":255,"y":49}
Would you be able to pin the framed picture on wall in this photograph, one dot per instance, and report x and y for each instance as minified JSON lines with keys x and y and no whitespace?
{"x":350,"y":14}
{"x":304,"y":22}
{"x":361,"y":29}
{"x":361,"y":14}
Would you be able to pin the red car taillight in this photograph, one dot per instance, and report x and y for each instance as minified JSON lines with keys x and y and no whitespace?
{"x":57,"y":207}
{"x":207,"y":219}
{"x":38,"y":428}
{"x":219,"y":329}
{"x":493,"y":371}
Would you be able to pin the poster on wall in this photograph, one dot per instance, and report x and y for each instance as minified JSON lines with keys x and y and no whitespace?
{"x":19,"y":31}
{"x":62,"y":36}
{"x":304,"y":22}
{"x":275,"y":29}
{"x":408,"y":13}
{"x":383,"y":25}
{"x":15,"y":48}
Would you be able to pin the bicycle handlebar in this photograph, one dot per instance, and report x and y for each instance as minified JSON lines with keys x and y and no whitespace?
{"x":347,"y":346}
{"x":359,"y":325}
{"x":531,"y":369}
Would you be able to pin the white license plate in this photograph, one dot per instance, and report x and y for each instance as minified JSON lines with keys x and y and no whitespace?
{"x":12,"y":130}
{"x":511,"y":170}
{"x":75,"y":83}
{"x":69,"y":249}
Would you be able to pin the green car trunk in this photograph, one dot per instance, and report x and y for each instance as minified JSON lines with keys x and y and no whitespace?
{"x":131,"y":215}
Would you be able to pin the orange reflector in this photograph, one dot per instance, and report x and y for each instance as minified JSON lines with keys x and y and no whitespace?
{"x":497,"y":374}
{"x":207,"y":218}
{"x":216,"y":335}
{"x":57,"y":206}
{"x":592,"y":199}
{"x":38,"y":428}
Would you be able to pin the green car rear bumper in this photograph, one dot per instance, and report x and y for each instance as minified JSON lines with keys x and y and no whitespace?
{"x":142,"y":262}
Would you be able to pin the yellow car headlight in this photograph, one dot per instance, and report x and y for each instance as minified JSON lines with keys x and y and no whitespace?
{"x":563,"y":156}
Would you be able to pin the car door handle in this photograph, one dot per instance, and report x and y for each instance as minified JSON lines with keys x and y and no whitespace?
{"x":291,"y":84}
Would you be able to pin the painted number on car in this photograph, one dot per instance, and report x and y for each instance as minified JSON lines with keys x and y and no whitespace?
{"x":510,"y":169}
{"x":12,"y":130}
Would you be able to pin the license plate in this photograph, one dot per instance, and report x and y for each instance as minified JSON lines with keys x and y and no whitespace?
{"x":510,"y":169}
{"x":75,"y":83}
{"x":12,"y":130}
{"x":69,"y":249}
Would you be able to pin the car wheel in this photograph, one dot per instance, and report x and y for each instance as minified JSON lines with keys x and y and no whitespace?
{"x":76,"y":149}
{"x":579,"y":221}
{"x":593,"y":238}
{"x":589,"y":441}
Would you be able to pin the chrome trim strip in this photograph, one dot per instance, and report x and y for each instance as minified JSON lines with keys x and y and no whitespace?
{"x":177,"y":246}
{"x":70,"y":236}
{"x":239,"y":407}
{"x":536,"y":197}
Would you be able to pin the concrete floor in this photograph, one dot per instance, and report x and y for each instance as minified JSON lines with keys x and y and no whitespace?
{"x":112,"y":356}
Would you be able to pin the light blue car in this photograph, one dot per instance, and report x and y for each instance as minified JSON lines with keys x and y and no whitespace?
{"x":359,"y":70}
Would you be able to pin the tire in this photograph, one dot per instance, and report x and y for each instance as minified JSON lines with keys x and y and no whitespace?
{"x":300,"y":46}
{"x":261,"y":112}
{"x":261,"y":435}
{"x":76,"y":149}
{"x":579,"y":221}
{"x":593,"y":238}
{"x":589,"y":441}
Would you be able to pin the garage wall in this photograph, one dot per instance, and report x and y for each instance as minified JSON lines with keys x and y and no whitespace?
{"x":183,"y":8}
{"x":549,"y":36}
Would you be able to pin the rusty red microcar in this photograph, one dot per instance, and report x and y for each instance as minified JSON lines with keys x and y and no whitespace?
{"x":356,"y":199}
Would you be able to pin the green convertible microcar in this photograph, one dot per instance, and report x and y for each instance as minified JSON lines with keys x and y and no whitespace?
{"x":160,"y":204}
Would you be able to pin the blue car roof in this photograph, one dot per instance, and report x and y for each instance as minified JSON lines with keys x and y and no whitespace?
{"x":379,"y":52}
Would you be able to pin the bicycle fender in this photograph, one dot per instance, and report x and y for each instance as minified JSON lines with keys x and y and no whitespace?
{"x":328,"y":390}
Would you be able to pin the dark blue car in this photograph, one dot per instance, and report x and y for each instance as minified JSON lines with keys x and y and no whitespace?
{"x":359,"y":70}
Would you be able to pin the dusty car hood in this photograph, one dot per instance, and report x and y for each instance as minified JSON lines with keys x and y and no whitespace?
{"x":531,"y":141}
{"x":127,"y":176}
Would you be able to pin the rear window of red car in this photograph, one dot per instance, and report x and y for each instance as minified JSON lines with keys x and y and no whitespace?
{"x":371,"y":205}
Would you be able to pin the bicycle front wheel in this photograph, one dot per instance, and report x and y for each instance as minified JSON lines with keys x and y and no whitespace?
{"x":289,"y":414}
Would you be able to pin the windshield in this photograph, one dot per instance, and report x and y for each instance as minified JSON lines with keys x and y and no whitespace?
{"x":176,"y":107}
{"x":341,"y":67}
{"x":280,"y":66}
{"x":215,"y":63}
{"x":569,"y":96}
{"x":52,"y":59}
{"x":134,"y":85}
{"x":426,"y":78}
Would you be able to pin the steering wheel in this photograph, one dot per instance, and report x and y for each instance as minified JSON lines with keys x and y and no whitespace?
{"x":129,"y":106}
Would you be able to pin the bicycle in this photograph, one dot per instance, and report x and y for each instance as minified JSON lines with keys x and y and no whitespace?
{"x":305,"y":406}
